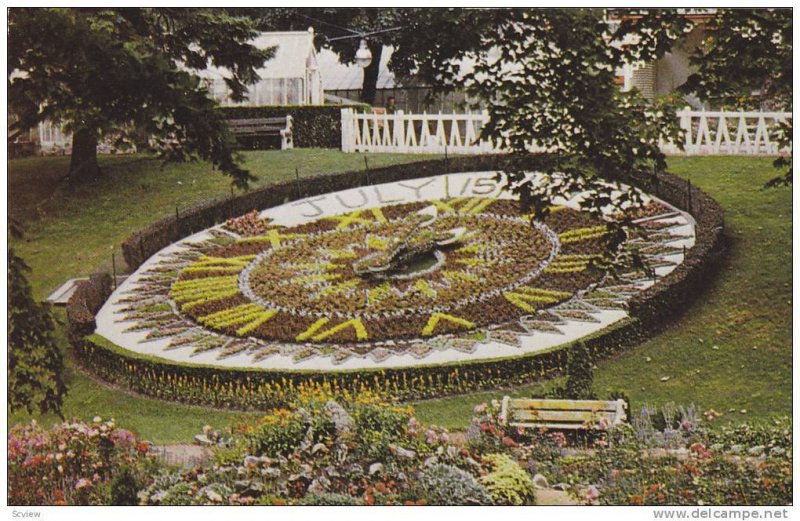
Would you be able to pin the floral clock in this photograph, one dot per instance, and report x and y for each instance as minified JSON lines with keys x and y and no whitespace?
{"x":428,"y":274}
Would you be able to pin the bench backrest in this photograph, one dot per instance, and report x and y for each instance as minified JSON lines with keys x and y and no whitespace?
{"x":281,"y":121}
{"x":258,"y":125}
{"x":563,"y":414}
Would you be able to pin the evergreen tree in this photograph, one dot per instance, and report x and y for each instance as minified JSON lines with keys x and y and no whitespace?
{"x":35,"y":364}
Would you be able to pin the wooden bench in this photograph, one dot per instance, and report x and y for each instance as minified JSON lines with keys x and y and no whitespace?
{"x":264,"y":127}
{"x":563,"y":414}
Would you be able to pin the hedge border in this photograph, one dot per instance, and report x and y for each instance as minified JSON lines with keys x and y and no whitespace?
{"x":312,"y":125}
{"x":259,"y":388}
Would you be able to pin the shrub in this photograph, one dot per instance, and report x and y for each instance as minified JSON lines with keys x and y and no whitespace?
{"x":447,"y":485}
{"x":276,"y":434}
{"x":124,"y":488}
{"x":312,"y":125}
{"x":508,"y":483}
{"x":580,"y":375}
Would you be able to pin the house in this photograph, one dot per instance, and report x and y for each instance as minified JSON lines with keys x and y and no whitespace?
{"x":291,"y":77}
{"x":664,"y":75}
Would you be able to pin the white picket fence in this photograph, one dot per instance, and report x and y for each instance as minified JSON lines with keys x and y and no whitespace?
{"x":729,"y":133}
{"x":706,"y":133}
{"x":414,"y":133}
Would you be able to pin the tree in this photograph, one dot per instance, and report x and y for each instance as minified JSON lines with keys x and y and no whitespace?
{"x":115,"y":72}
{"x":745,"y":62}
{"x":35,"y":364}
{"x":547,"y":79}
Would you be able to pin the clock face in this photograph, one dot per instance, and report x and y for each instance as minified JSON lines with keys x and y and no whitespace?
{"x":433,"y":270}
{"x":394,"y":273}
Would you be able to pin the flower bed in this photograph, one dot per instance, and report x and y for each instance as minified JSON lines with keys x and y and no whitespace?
{"x":75,"y":463}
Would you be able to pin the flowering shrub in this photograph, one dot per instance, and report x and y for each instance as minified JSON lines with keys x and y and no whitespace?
{"x":507,"y":483}
{"x":75,"y":463}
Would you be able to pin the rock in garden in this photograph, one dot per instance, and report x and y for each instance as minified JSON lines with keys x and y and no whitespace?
{"x":213,"y":496}
{"x":319,"y":447}
{"x":271,"y":473}
{"x":341,"y":419}
{"x":403,"y":453}
{"x":375,"y":468}
{"x":319,"y":485}
{"x":540,"y":481}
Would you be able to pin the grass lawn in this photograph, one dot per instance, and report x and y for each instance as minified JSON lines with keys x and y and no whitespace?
{"x":72,"y":232}
{"x":732,"y":349}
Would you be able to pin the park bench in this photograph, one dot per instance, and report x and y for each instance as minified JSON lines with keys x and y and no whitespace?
{"x":263,"y":127}
{"x":563,"y":414}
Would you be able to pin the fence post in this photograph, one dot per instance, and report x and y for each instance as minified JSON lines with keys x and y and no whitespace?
{"x":400,"y":131}
{"x":347,"y":130}
{"x":686,"y":125}
{"x":113,"y":268}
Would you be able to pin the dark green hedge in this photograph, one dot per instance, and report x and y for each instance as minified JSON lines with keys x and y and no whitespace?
{"x":317,"y":126}
{"x":244,"y":388}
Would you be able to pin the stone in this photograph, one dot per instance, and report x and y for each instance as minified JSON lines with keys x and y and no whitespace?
{"x":342,"y":421}
{"x":271,"y":473}
{"x":431,"y":460}
{"x":319,"y":447}
{"x":213,"y":496}
{"x":251,"y":461}
{"x":539,"y":481}
{"x":319,"y":485}
{"x":375,"y":468}
{"x":403,"y":453}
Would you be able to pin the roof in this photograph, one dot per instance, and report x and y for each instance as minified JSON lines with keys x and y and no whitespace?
{"x":294,"y":55}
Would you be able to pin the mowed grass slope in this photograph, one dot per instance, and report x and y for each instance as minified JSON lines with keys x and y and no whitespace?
{"x":71,"y":232}
{"x":732,"y":348}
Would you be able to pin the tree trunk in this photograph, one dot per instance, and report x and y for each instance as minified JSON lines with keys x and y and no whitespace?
{"x":370,"y":85}
{"x":83,"y":163}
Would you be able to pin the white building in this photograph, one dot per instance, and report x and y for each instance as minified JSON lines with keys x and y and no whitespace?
{"x":291,"y":77}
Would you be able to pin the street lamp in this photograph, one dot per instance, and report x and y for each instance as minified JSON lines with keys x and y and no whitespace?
{"x":363,"y":55}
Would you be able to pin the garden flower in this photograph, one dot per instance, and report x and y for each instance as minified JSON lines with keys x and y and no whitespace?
{"x":479,"y":408}
{"x":83,"y":483}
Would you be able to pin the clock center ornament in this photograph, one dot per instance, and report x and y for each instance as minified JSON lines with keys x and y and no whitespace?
{"x":425,"y":238}
{"x":426,"y":277}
